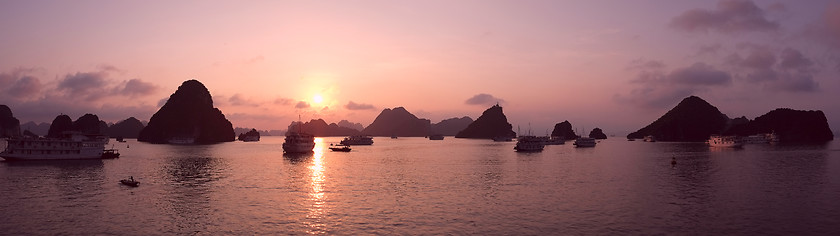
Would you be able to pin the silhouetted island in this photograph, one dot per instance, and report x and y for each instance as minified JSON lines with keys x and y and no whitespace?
{"x":451,"y":126}
{"x":399,"y":122}
{"x":188,"y":117}
{"x":86,"y":124}
{"x":492,"y":123}
{"x":348,"y":124}
{"x":791,"y":126}
{"x":250,"y":136}
{"x":128,"y":128}
{"x":692,"y":120}
{"x":9,"y":125}
{"x":60,"y":124}
{"x":597,"y":133}
{"x":320,"y":128}
{"x":564,"y":130}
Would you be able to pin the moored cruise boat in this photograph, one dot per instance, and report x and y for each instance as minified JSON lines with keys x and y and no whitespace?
{"x":298,"y":143}
{"x":71,"y":146}
{"x":357,"y":140}
{"x":529,"y":144}
{"x":724,"y":141}
{"x":584,"y":142}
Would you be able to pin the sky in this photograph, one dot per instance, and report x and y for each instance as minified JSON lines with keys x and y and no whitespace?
{"x":617,"y":65}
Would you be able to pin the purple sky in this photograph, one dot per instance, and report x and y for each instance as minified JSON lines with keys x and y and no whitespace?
{"x":617,"y":65}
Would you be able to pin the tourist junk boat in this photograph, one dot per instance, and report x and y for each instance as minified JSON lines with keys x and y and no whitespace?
{"x":725,"y":141}
{"x":71,"y":146}
{"x":529,"y":144}
{"x":585,"y":142}
{"x":340,"y":148}
{"x":299,"y":143}
{"x":357,"y":140}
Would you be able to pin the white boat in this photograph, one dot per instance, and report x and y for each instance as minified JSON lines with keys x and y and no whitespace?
{"x":357,"y":140}
{"x":725,"y":141}
{"x":298,"y":143}
{"x":585,"y":142}
{"x":181,"y":140}
{"x":529,"y":144}
{"x":71,"y":146}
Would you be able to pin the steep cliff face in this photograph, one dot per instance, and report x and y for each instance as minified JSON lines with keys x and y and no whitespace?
{"x":451,"y":126}
{"x":597,"y":133}
{"x":790,"y":125}
{"x":320,"y":128}
{"x":400,"y":122}
{"x":692,"y":120}
{"x":89,"y":124}
{"x":60,"y":124}
{"x":128,"y":128}
{"x":491,"y":123}
{"x":189,"y":113}
{"x":9,"y":125}
{"x":564,"y":129}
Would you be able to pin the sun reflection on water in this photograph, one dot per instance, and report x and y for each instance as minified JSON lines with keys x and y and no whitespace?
{"x":317,"y":208}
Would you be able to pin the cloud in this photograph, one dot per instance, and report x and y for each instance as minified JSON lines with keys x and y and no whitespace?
{"x":283,"y":101}
{"x":785,"y":70}
{"x":700,"y":74}
{"x":136,"y":87}
{"x":238,"y":100}
{"x":793,"y":59}
{"x":731,"y":16}
{"x":82,"y":82}
{"x":26,"y":86}
{"x":359,"y":106}
{"x":483,"y":99}
{"x":826,"y":30}
{"x":302,"y":105}
{"x":644,"y":64}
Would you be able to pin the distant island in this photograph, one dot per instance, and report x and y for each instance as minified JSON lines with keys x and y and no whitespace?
{"x":694,"y":120}
{"x":128,"y":128}
{"x":398,"y":122}
{"x":320,"y":128}
{"x":451,"y":126}
{"x":597,"y":133}
{"x":492,"y":123}
{"x":188,"y":117}
{"x":564,"y":130}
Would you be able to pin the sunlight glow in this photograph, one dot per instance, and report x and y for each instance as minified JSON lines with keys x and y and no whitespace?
{"x":317,"y":98}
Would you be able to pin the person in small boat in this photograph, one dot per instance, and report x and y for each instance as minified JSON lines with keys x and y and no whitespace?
{"x":131,"y":178}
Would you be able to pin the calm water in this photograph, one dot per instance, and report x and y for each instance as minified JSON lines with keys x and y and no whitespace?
{"x":417,"y":186}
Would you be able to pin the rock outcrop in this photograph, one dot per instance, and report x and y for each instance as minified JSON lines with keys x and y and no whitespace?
{"x":451,"y":126}
{"x":564,"y":129}
{"x":320,"y":128}
{"x":597,"y":133}
{"x":492,"y":123}
{"x":692,"y":120}
{"x":252,"y":135}
{"x":9,"y":125}
{"x":189,"y":113}
{"x":791,"y":126}
{"x":399,"y":122}
{"x":90,"y":124}
{"x":128,"y":128}
{"x":60,"y":124}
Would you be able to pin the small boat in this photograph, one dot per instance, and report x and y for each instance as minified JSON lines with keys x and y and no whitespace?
{"x":357,"y":140}
{"x":631,"y":139}
{"x":340,"y":148}
{"x":584,"y":142}
{"x":110,"y":153}
{"x":130,"y":182}
{"x":120,"y":139}
{"x":436,"y":137}
{"x":502,"y":139}
{"x":725,"y":141}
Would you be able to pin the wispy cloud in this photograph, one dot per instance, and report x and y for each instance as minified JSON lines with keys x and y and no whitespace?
{"x":730,"y":16}
{"x":483,"y":99}
{"x":359,"y":106}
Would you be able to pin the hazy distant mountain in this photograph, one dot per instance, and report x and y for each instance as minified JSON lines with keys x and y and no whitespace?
{"x":597,"y":133}
{"x":320,"y":128}
{"x":451,"y":126}
{"x":189,"y":113}
{"x":399,"y":122}
{"x":692,"y":120}
{"x":492,"y":123}
{"x":9,"y":125}
{"x":348,"y":124}
{"x":790,"y":125}
{"x":37,"y":129}
{"x":564,"y":129}
{"x":128,"y":128}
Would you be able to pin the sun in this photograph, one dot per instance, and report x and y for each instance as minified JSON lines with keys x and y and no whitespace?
{"x":317,"y":98}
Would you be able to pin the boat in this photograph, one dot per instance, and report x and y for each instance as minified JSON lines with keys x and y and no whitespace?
{"x":298,"y":143}
{"x":631,"y":139}
{"x":436,"y":137}
{"x":585,"y":142}
{"x":357,"y":140}
{"x":340,"y":148}
{"x":554,"y":140}
{"x":130,"y":182}
{"x":110,"y":153}
{"x":755,"y":139}
{"x":502,"y":139}
{"x":120,"y":139}
{"x":649,"y":138}
{"x":71,"y":145}
{"x":725,"y":141}
{"x":529,"y":144}
{"x":181,"y":140}
{"x":394,"y":137}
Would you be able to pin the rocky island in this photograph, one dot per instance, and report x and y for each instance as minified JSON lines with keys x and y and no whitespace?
{"x":399,"y":122}
{"x":791,"y":126}
{"x":692,"y":120}
{"x":492,"y":123}
{"x":128,"y":128}
{"x":9,"y":125}
{"x":597,"y":133}
{"x":189,"y":117}
{"x":564,"y":130}
{"x":451,"y":126}
{"x":320,"y":128}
